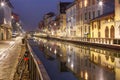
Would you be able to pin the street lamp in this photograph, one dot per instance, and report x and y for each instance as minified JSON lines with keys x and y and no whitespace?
{"x":85,"y":3}
{"x":100,"y":3}
{"x":2,"y":4}
{"x":12,"y":17}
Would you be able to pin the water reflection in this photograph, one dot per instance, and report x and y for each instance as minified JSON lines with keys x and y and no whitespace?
{"x":87,"y":63}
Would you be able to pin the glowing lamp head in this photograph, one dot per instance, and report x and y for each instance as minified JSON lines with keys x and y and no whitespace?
{"x":2,"y":4}
{"x":100,"y":3}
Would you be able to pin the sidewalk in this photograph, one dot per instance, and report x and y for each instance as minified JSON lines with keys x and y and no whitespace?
{"x":9,"y":55}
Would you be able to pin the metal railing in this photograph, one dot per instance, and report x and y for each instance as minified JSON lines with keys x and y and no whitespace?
{"x":35,"y":66}
{"x":91,"y":40}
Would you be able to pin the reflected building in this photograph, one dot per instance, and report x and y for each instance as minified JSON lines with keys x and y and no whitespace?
{"x":86,"y":63}
{"x":103,"y":68}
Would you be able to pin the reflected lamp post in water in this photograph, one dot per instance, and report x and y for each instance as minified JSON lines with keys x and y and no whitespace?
{"x":72,"y":65}
{"x":50,"y":49}
{"x":12,"y":17}
{"x":86,"y":76}
{"x":68,"y":59}
{"x":55,"y":51}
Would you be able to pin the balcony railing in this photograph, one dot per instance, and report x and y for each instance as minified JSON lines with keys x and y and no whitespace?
{"x":92,"y":40}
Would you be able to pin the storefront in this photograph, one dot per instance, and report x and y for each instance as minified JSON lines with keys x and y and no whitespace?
{"x":6,"y":32}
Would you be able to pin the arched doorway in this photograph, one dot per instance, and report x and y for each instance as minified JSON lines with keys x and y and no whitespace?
{"x":119,"y":29}
{"x":7,"y":34}
{"x":106,"y":32}
{"x":1,"y":34}
{"x":112,"y":32}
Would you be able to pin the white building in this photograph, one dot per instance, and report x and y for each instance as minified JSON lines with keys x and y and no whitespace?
{"x":5,"y":30}
{"x":71,"y":20}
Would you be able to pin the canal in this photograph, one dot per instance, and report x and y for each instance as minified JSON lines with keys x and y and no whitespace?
{"x":67,"y":61}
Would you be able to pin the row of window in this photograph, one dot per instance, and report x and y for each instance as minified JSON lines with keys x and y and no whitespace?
{"x":99,"y":24}
{"x":112,"y":32}
{"x":86,"y":3}
{"x":90,"y":15}
{"x":95,"y":26}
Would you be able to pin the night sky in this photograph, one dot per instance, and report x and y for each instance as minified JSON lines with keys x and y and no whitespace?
{"x":32,"y":11}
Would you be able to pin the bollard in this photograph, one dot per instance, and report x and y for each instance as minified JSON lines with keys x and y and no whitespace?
{"x":23,"y":41}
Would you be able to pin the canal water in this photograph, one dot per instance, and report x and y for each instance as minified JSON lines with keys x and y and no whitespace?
{"x":82,"y":61}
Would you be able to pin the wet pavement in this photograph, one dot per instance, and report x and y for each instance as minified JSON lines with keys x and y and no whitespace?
{"x":9,"y":57}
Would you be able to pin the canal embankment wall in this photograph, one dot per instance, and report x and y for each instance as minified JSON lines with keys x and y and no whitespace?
{"x":110,"y":46}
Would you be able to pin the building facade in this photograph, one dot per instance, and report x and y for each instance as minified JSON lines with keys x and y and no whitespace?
{"x":62,"y":18}
{"x":71,"y":20}
{"x":102,"y":29}
{"x":5,"y":21}
{"x":117,"y":21}
{"x":15,"y":23}
{"x":47,"y":22}
{"x":88,"y":10}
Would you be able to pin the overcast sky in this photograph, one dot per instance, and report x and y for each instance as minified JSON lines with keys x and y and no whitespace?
{"x":32,"y":11}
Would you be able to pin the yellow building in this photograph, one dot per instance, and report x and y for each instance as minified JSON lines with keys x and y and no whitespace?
{"x":117,"y":21}
{"x":102,"y":29}
{"x":107,"y":59}
{"x":88,"y":10}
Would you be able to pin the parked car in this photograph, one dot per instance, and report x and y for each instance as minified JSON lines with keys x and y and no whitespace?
{"x":14,"y":35}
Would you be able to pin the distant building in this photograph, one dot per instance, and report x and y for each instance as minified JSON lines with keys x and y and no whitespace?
{"x":15,"y":22}
{"x":5,"y":21}
{"x":62,"y":18}
{"x":47,"y":20}
{"x":71,"y":20}
{"x":41,"y":26}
